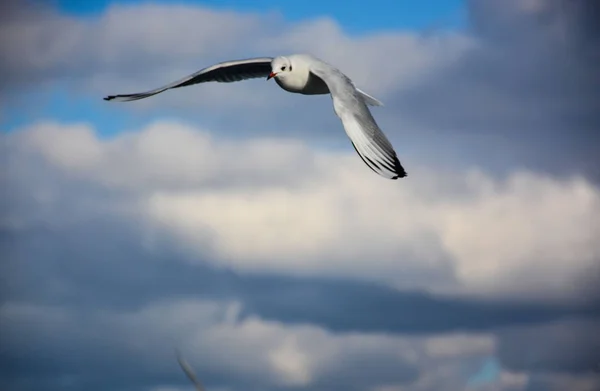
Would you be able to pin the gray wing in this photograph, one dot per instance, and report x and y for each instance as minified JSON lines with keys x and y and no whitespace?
{"x":224,"y":72}
{"x":368,"y":140}
{"x":189,"y":372}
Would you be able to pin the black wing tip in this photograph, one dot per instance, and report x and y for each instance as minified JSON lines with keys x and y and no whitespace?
{"x":126,"y":98}
{"x":401,"y":175}
{"x":400,"y":172}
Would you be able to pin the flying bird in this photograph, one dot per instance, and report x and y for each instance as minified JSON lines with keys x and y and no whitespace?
{"x":189,"y":372}
{"x":305,"y":74}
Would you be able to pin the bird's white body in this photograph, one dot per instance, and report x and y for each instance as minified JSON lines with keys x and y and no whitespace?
{"x":300,"y":80}
{"x":307,"y":75}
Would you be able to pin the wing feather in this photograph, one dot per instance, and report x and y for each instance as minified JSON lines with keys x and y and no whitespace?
{"x":224,"y":72}
{"x":368,"y":140}
{"x":189,"y":372}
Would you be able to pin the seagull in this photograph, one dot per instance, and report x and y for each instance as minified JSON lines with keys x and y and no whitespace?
{"x":307,"y":75}
{"x":189,"y":372}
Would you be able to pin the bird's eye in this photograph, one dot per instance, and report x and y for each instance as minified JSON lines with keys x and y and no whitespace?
{"x":283,"y":68}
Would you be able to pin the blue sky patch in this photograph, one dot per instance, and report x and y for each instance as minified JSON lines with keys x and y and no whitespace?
{"x":355,"y":16}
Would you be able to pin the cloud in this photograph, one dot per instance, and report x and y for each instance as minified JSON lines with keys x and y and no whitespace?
{"x":227,"y":350}
{"x":572,"y":351}
{"x":119,"y":37}
{"x":442,"y":231}
{"x":175,"y":40}
{"x":254,"y":351}
{"x":567,"y":21}
{"x":456,"y":345}
{"x":107,"y":262}
{"x":524,"y":95}
{"x":477,"y":97}
{"x":556,"y":382}
{"x":87,"y":250}
{"x":95,"y":56}
{"x":278,"y":261}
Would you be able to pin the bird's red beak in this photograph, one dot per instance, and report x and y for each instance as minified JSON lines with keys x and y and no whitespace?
{"x":271,"y":75}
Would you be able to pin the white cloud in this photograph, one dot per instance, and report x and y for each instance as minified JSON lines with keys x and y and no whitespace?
{"x":460,"y":344}
{"x":273,"y":205}
{"x":381,"y":62}
{"x":525,"y":233}
{"x":121,"y":33}
{"x":514,"y":380}
{"x":169,"y":155}
{"x":137,"y":47}
{"x":291,"y":362}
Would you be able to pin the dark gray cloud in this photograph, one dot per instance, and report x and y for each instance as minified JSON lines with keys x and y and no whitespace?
{"x":87,"y":273}
{"x":550,"y":382}
{"x":103,"y":263}
{"x":568,"y":346}
{"x":526,"y":95}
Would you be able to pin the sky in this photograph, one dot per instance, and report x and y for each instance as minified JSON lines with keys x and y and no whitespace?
{"x":236,"y":224}
{"x":355,"y":16}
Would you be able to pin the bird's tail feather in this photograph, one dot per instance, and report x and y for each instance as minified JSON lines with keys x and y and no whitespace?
{"x":371,"y":101}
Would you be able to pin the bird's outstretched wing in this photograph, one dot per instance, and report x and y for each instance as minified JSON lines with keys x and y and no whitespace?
{"x":189,"y":372}
{"x":224,"y":72}
{"x":350,"y":106}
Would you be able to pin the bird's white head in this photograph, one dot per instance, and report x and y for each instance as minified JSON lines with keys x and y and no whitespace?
{"x":280,"y":67}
